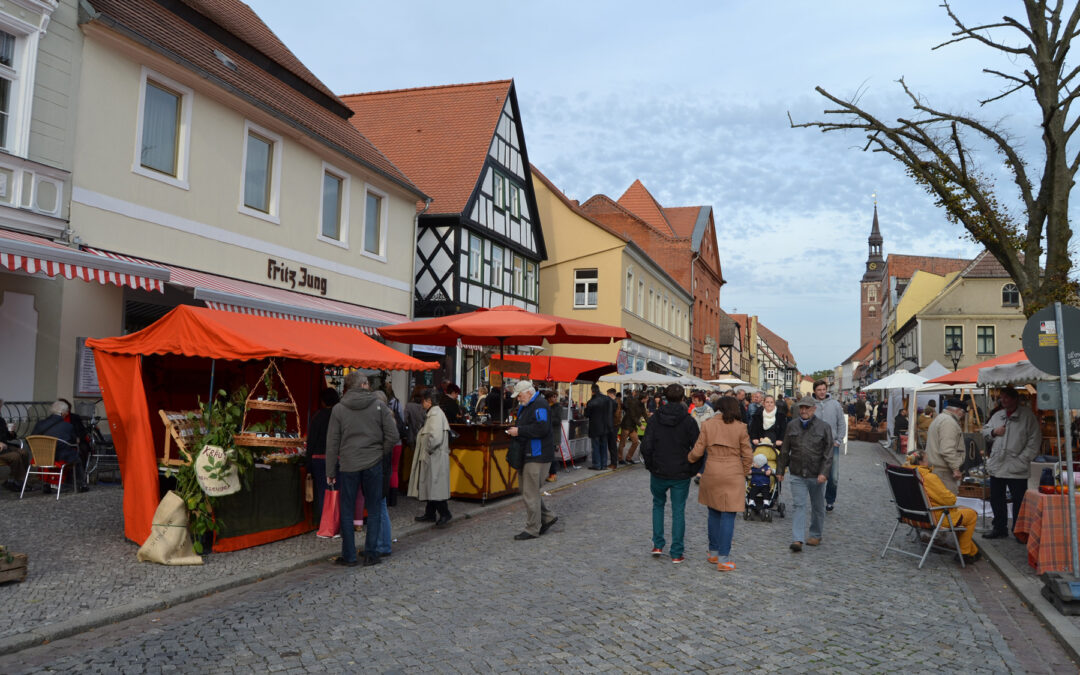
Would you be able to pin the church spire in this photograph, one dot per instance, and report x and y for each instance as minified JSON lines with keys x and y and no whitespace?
{"x":875,"y":264}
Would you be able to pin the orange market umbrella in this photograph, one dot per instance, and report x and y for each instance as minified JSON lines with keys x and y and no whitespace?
{"x":502,"y":325}
{"x":970,"y":374}
{"x":562,"y":368}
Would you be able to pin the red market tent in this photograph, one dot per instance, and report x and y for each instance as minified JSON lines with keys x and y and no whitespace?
{"x":562,"y":368}
{"x":208,"y":334}
{"x":970,"y":374}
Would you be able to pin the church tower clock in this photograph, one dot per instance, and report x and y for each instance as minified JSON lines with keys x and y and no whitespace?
{"x":870,"y":287}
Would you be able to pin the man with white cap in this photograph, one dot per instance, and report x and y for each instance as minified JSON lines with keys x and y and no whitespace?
{"x":533,"y":432}
{"x":808,"y":451}
{"x":945,"y":444}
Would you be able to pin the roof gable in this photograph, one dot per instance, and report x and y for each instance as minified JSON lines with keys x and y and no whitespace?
{"x":640,"y":202}
{"x":778,"y":344}
{"x":440,"y":136}
{"x":904,"y":266}
{"x":986,"y":266}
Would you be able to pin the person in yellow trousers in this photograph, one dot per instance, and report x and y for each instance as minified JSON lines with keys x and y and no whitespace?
{"x":939,"y":495}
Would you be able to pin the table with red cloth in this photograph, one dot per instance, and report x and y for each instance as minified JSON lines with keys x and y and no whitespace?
{"x":1043,"y":523}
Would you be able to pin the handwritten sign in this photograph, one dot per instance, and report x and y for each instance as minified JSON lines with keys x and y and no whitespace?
{"x":217,"y":476}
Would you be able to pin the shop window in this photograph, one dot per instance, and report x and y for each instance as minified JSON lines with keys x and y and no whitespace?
{"x":586,"y":286}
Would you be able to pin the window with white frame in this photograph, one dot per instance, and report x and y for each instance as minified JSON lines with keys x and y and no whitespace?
{"x":514,"y":199}
{"x":374,"y":223}
{"x":163,"y":130}
{"x":496,"y":279}
{"x":641,"y":299}
{"x":8,"y":84}
{"x":519,"y":276}
{"x":260,"y":189}
{"x":532,"y":282}
{"x":20,"y":35}
{"x":664,"y":322}
{"x":586,"y":286}
{"x":1010,"y":295}
{"x":334,"y":209}
{"x":984,"y":339}
{"x":498,"y":190}
{"x":476,"y":258}
{"x":770,"y":374}
{"x":628,"y":299}
{"x":650,"y":308}
{"x":871,"y":293}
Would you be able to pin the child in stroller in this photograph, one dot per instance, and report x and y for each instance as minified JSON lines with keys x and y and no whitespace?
{"x":762,"y":488}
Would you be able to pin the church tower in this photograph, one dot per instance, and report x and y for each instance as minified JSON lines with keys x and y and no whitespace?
{"x":870,"y":287}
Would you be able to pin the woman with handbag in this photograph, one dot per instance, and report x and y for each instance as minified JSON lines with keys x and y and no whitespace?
{"x":429,"y":479}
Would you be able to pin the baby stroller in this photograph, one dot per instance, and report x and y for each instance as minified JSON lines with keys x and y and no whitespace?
{"x":763,"y":492}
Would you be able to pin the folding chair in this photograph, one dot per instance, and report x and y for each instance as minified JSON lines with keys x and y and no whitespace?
{"x":913,"y":509}
{"x":44,"y":463}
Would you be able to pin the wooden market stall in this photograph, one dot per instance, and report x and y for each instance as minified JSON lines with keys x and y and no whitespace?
{"x":182,"y":358}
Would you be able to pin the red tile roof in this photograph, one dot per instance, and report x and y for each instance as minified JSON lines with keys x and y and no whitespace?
{"x":776,"y":343}
{"x":178,"y":38}
{"x":904,"y":266}
{"x":985,"y":266}
{"x":641,"y":203}
{"x":440,"y":136}
{"x":239,"y":19}
{"x":682,"y":219}
{"x":862,"y":352}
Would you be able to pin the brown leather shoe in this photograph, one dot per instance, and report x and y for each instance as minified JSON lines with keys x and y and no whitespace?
{"x":813,"y":541}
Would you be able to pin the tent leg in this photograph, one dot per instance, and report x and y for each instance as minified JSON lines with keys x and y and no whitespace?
{"x":213,"y":367}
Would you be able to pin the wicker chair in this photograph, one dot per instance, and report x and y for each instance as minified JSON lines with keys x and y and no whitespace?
{"x":44,"y":463}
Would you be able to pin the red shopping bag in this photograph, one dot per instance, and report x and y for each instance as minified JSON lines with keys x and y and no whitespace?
{"x":330,"y":524}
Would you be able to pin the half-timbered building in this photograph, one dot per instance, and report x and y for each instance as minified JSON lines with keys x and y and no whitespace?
{"x":478,"y":240}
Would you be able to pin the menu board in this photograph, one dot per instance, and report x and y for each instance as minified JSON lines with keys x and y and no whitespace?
{"x":86,"y":380}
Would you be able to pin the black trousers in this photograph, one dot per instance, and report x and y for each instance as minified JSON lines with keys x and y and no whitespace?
{"x":998,"y":503}
{"x":436,"y":505}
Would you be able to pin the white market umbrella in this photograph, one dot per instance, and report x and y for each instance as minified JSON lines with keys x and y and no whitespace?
{"x":729,"y":381}
{"x":646,"y":377}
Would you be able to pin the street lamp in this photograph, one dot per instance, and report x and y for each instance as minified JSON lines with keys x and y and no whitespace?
{"x":956,"y":352}
{"x":901,"y":349}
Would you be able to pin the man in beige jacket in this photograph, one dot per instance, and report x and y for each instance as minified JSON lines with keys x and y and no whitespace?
{"x":945,"y":444}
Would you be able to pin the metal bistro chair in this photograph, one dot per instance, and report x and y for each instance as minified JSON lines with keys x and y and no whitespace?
{"x":913,"y":509}
{"x":44,"y":463}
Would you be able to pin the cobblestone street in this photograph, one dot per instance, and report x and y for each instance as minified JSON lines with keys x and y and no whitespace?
{"x":588,"y":597}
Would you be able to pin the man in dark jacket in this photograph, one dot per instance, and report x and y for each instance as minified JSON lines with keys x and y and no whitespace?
{"x":669,"y":437}
{"x":67,"y":446}
{"x":533,"y":431}
{"x":361,"y":432}
{"x":807,"y":452}
{"x":600,"y":412}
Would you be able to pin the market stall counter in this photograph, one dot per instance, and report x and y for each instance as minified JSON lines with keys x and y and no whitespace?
{"x":478,"y":467}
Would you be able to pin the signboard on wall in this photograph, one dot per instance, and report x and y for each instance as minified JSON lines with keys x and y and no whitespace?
{"x":86,"y":380}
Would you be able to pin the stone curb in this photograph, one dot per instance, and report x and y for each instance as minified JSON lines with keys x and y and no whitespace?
{"x":1029,"y":590}
{"x":110,"y":615}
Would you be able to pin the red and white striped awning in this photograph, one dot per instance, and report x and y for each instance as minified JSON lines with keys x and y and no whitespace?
{"x":245,"y":297}
{"x":37,"y":255}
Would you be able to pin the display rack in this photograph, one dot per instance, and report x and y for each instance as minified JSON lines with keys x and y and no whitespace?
{"x":254,"y":402}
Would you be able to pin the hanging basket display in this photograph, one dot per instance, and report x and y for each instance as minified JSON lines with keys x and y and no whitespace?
{"x":271,"y":418}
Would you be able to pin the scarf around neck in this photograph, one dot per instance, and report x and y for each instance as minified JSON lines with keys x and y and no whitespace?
{"x":768,"y":419}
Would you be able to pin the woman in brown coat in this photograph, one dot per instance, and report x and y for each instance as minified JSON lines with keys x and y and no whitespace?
{"x":723,"y":482}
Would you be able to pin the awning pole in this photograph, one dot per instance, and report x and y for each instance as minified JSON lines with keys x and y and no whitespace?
{"x":213,"y":365}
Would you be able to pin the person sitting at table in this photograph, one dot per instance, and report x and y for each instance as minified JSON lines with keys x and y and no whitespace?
{"x":67,"y":446}
{"x":939,"y":495}
{"x":13,"y":455}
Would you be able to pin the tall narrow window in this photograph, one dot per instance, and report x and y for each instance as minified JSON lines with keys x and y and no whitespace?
{"x":641,"y":299}
{"x":496,"y":267}
{"x":498,"y":191}
{"x":258,"y":170}
{"x":476,"y":258}
{"x":586,"y":286}
{"x":160,"y":129}
{"x":515,"y":200}
{"x":7,"y":76}
{"x":628,"y":298}
{"x":519,"y":276}
{"x":373,"y":224}
{"x":984,"y":339}
{"x":531,"y":282}
{"x":331,"y":206}
{"x":650,"y":308}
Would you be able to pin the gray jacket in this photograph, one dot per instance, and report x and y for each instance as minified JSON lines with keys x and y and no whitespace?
{"x":831,"y":412}
{"x":1011,"y":454}
{"x":361,"y":431}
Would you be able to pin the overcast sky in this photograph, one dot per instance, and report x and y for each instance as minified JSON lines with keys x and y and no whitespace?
{"x":692,"y":98}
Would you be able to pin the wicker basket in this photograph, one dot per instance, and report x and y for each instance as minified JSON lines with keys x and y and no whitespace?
{"x":249,"y":439}
{"x":973,"y":491}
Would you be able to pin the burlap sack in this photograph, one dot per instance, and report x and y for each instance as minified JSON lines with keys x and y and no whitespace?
{"x":169,"y":542}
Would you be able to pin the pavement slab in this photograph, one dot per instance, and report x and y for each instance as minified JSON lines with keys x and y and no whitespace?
{"x":586,"y":597}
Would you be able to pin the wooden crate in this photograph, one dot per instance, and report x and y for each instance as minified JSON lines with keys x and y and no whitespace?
{"x":15,"y":570}
{"x":973,"y":491}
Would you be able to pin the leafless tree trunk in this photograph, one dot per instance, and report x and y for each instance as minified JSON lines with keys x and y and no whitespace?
{"x":935,"y":148}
